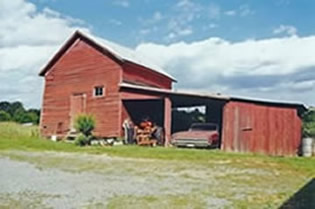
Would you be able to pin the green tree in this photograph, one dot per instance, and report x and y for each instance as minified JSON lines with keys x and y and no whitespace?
{"x":16,"y":108}
{"x":20,"y":116}
{"x":4,"y":116}
{"x":34,"y":115}
{"x":5,"y":106}
{"x":309,"y":123}
{"x":17,"y":113}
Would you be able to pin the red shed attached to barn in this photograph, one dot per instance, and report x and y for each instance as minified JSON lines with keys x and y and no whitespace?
{"x":258,"y":126}
{"x":246,"y":125}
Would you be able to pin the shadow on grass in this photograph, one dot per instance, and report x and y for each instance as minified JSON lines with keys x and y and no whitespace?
{"x":303,"y":199}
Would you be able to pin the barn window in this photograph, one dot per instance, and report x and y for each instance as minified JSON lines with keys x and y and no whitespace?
{"x":99,"y":91}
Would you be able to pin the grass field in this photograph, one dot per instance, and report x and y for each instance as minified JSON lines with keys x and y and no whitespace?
{"x":245,"y":180}
{"x":17,"y":137}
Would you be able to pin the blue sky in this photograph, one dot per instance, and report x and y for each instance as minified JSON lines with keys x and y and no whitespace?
{"x":252,"y":48}
{"x":129,"y":22}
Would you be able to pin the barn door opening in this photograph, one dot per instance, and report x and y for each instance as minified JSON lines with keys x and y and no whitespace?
{"x":77,"y":106}
{"x":153,"y":109}
{"x":192,"y":109}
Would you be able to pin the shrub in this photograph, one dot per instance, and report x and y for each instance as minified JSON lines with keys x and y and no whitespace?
{"x":85,"y":124}
{"x":81,"y":140}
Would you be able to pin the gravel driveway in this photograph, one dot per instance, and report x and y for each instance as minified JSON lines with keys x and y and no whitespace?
{"x":68,"y":180}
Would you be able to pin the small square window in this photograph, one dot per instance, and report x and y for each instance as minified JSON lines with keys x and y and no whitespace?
{"x":99,"y":91}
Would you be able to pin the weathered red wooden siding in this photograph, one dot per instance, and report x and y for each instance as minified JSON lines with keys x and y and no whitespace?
{"x":167,"y":120}
{"x":138,"y":74}
{"x":79,"y":70}
{"x":132,"y":95}
{"x":258,"y":128}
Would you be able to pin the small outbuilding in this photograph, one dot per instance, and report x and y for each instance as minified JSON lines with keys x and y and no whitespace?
{"x":93,"y":75}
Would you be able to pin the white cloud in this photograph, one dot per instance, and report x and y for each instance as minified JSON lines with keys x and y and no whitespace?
{"x":149,"y":25}
{"x":285,"y":29}
{"x":209,"y":26}
{"x":283,"y":2}
{"x":145,"y":31}
{"x":27,"y":39}
{"x":185,"y":32}
{"x":157,"y":16}
{"x":115,"y":22}
{"x":122,"y":3}
{"x":179,"y":20}
{"x":214,"y":11}
{"x":187,"y":5}
{"x":278,"y":68}
{"x":245,"y":10}
{"x":177,"y":29}
{"x":180,"y":23}
{"x":230,"y":13}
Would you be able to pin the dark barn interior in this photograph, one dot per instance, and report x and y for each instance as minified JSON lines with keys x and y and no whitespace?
{"x":213,"y":111}
{"x":182,"y":118}
{"x":151,"y":109}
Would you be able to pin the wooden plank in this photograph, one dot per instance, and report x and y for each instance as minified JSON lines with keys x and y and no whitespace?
{"x":167,"y":119}
{"x":142,"y":75}
{"x":275,"y":130}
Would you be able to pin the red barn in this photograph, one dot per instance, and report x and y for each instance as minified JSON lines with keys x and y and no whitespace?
{"x":85,"y":76}
{"x":113,"y":83}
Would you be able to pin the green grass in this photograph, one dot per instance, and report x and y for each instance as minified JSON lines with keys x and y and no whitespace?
{"x":167,"y":202}
{"x":286,"y":174}
{"x":26,"y":199}
{"x":16,"y":137}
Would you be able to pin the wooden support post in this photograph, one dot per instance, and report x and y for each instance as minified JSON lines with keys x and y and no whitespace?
{"x":208,"y":113}
{"x":167,"y":120}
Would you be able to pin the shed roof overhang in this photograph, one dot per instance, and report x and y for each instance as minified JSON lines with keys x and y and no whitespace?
{"x":186,"y":99}
{"x":179,"y":99}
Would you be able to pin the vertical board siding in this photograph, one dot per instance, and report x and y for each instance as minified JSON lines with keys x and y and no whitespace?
{"x":167,"y":119}
{"x":258,"y":128}
{"x":78,"y":71}
{"x":137,"y":74}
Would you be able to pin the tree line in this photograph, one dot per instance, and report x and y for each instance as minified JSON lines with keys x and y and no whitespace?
{"x":309,"y":123}
{"x":15,"y":111}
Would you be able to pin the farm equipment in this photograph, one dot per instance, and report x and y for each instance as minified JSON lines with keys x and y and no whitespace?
{"x":144,"y":134}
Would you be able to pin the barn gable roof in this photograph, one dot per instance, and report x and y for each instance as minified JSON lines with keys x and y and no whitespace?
{"x":118,"y":52}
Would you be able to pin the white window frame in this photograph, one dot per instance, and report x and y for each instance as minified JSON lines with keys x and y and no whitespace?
{"x":95,"y":90}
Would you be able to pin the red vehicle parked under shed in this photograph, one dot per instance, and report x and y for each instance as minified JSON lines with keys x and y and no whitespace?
{"x":202,"y":135}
